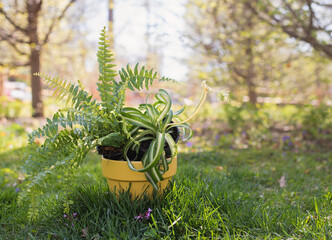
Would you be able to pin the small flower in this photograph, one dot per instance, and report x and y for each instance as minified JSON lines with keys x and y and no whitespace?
{"x":65,"y":216}
{"x":74,"y":215}
{"x":139,"y":217}
{"x":17,"y":190}
{"x":285,"y":138}
{"x":148,"y":213}
{"x":189,"y":144}
{"x":217,"y":137}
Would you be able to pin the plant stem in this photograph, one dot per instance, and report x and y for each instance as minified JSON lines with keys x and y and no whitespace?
{"x":201,"y":101}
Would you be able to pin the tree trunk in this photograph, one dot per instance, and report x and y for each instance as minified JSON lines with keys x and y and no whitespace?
{"x":35,"y":49}
{"x":319,"y":89}
{"x":111,"y":22}
{"x":252,"y":93}
{"x":250,"y":75}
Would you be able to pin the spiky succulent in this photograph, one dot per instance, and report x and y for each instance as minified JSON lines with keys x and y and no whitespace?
{"x":154,"y":123}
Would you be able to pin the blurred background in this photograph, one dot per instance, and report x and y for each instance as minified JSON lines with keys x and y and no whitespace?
{"x":274,"y":58}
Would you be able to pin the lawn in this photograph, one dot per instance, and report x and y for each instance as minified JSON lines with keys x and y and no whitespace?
{"x":230,"y":194}
{"x":246,"y":174}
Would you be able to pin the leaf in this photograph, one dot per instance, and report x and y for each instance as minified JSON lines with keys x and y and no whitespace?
{"x":282,"y":182}
{"x":85,"y":233}
{"x":219,"y":168}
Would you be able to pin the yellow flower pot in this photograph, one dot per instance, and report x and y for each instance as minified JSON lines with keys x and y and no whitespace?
{"x":120,"y":177}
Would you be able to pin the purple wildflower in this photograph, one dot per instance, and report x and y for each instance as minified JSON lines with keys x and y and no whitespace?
{"x":74,"y":215}
{"x":17,"y":190}
{"x":148,"y":213}
{"x":189,"y":144}
{"x":139,"y":217}
{"x":217,"y":137}
{"x":65,"y":216}
{"x":285,"y":138}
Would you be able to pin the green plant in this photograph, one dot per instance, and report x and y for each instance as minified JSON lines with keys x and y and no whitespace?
{"x":317,"y":121}
{"x":11,"y":109}
{"x":87,"y":123}
{"x":84,"y":123}
{"x":154,"y":125}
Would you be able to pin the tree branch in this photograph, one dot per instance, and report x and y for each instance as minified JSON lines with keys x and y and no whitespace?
{"x":14,"y":46}
{"x":7,"y":37}
{"x":293,"y":29}
{"x":323,"y":4}
{"x":17,"y":27}
{"x":55,"y":21}
{"x":311,"y":16}
{"x":14,"y":65}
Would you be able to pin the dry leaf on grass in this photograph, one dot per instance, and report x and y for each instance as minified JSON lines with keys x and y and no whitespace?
{"x":85,"y":233}
{"x":219,"y":168}
{"x":282,"y":182}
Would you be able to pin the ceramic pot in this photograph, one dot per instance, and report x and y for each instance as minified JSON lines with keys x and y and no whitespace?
{"x":120,"y":177}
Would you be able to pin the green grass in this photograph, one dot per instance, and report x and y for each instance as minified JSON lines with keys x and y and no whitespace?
{"x":221,"y":194}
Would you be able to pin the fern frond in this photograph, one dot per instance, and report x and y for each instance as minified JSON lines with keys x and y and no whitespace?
{"x":139,"y":78}
{"x":75,"y":94}
{"x":95,"y":125}
{"x":65,"y":150}
{"x":112,"y":92}
{"x":107,"y":84}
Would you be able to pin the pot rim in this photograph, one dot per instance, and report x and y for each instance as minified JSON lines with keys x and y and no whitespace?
{"x":119,"y":170}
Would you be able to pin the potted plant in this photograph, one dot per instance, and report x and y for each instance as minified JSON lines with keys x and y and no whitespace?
{"x":153,"y":143}
{"x":144,"y":137}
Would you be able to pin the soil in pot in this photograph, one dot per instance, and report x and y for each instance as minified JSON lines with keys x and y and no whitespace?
{"x":114,"y":153}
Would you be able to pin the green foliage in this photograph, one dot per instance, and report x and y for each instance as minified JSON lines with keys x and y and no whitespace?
{"x":73,"y":131}
{"x":11,"y":109}
{"x":317,"y":121}
{"x":112,"y":93}
{"x":155,"y":125}
{"x":12,"y":136}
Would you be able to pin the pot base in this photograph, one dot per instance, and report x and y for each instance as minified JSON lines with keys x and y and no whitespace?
{"x":121,"y":178}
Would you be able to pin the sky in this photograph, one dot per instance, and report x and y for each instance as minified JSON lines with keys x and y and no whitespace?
{"x":130,"y":26}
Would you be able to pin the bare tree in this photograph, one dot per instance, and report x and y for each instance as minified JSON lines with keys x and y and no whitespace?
{"x":225,"y":32}
{"x":306,"y":20}
{"x":20,"y":31}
